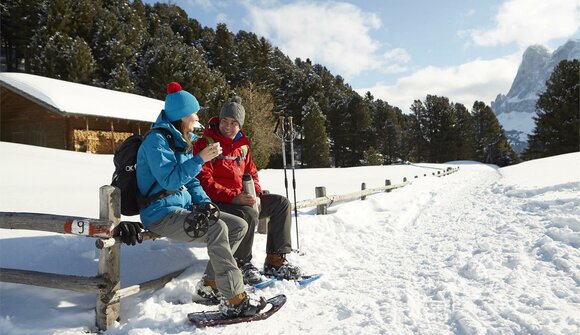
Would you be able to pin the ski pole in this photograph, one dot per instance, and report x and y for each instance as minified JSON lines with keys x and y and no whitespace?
{"x":292,"y":135}
{"x":283,"y":138}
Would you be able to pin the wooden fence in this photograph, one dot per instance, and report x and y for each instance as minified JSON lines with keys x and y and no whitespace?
{"x":322,"y":201}
{"x":107,"y":283}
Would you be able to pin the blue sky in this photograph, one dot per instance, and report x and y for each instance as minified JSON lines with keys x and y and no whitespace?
{"x":402,"y":50}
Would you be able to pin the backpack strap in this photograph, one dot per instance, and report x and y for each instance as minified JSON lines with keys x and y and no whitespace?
{"x":168,"y":136}
{"x":148,"y":199}
{"x":238,"y":159}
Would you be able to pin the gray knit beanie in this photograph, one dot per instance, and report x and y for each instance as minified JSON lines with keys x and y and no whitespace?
{"x":235,"y":110}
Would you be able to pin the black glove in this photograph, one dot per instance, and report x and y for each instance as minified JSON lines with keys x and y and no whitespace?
{"x":130,"y":232}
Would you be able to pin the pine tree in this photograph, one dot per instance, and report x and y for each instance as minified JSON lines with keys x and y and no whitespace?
{"x":372,"y":156}
{"x":167,"y":59}
{"x":393,"y":136}
{"x":418,"y":133}
{"x":264,"y":74}
{"x":121,"y":79}
{"x":85,"y":13}
{"x":18,"y":23}
{"x":189,"y":30}
{"x":407,"y":144}
{"x":491,"y":145}
{"x":118,"y":36}
{"x":356,"y":130}
{"x":223,"y":56}
{"x":557,"y":124}
{"x":62,"y":57}
{"x":385,"y":131}
{"x":81,"y":64}
{"x":59,"y":17}
{"x":311,"y":87}
{"x":438,"y":125}
{"x":463,"y":133}
{"x":315,"y":151}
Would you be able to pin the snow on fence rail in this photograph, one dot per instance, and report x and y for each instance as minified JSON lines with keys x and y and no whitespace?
{"x":107,"y":283}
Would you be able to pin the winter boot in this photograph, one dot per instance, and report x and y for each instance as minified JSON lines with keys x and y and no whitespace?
{"x":207,"y":289}
{"x":252,"y":275}
{"x":277,"y":266}
{"x":241,"y":305}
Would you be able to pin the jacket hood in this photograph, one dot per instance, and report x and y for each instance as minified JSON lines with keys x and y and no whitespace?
{"x":212,"y":130}
{"x":163,"y":122}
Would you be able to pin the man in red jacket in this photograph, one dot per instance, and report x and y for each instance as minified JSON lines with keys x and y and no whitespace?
{"x":221,"y":178}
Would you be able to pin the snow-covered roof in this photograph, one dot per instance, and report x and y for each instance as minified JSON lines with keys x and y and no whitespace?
{"x":69,"y":98}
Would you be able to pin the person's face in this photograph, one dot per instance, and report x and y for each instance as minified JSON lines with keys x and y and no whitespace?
{"x":189,"y":121}
{"x":229,"y":127}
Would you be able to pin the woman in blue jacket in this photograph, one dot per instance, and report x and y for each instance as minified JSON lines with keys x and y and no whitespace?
{"x":176,"y":210}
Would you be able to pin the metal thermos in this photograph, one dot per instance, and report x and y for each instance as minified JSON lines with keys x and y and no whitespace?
{"x":249,"y":187}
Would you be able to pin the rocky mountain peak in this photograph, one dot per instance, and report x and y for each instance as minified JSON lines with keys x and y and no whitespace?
{"x":515,"y":111}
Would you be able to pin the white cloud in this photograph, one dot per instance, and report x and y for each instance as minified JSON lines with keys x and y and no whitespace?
{"x":335,"y":34}
{"x":206,"y":5}
{"x":527,"y":22}
{"x":476,"y":80}
{"x":223,"y":18}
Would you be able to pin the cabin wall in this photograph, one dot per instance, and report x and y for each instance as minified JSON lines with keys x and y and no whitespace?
{"x":25,"y":121}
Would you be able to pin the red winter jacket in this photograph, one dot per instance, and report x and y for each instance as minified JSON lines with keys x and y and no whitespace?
{"x":221,"y":178}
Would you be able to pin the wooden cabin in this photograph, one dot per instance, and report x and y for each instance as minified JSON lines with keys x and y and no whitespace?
{"x":63,"y":115}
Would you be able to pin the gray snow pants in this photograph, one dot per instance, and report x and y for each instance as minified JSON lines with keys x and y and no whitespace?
{"x":275,"y":207}
{"x":222,"y":239}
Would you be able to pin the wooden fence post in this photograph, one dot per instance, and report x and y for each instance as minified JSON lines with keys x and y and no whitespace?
{"x":388,"y":183}
{"x":363,"y":187}
{"x":108,"y":311}
{"x":320,"y":192}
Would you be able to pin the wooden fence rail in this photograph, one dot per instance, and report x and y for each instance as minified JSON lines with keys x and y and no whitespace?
{"x":322,"y":200}
{"x":107,"y":283}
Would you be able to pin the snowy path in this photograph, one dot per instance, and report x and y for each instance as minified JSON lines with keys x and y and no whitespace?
{"x":461,"y":255}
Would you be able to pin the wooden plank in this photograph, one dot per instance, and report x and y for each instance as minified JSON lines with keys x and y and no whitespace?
{"x":109,"y":242}
{"x":56,"y":224}
{"x":346,"y":197}
{"x":151,"y":284}
{"x":52,"y":280}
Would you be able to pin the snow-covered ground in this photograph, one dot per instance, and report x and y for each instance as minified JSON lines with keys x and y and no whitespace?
{"x":481,"y":251}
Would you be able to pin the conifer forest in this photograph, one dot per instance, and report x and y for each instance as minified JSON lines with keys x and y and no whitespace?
{"x":138,"y":48}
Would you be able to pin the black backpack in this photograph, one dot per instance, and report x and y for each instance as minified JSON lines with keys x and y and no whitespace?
{"x":125,"y":175}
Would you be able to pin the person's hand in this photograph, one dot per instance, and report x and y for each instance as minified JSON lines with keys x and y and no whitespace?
{"x":244,"y":199}
{"x":210,"y":152}
{"x":129,"y":232}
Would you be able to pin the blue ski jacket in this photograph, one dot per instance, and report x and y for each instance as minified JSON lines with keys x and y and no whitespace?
{"x":169,"y":170}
